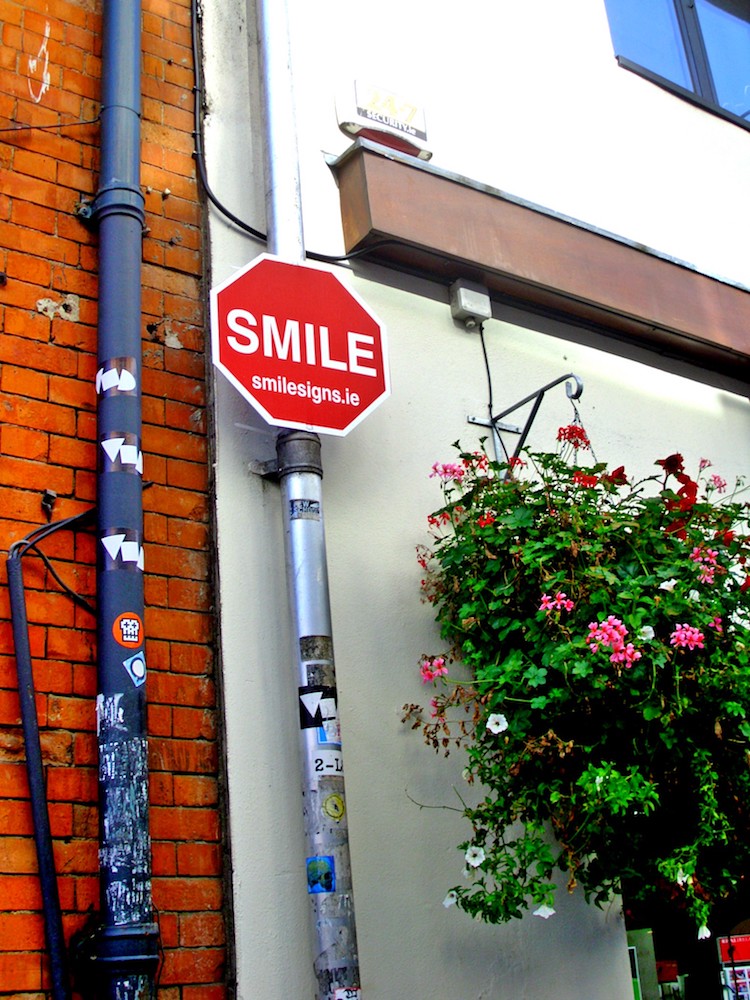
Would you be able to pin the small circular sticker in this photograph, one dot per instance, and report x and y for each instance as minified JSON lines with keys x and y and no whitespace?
{"x":333,"y":806}
{"x":128,"y":630}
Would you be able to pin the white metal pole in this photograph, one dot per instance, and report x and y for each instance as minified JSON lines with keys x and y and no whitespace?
{"x":327,"y":865}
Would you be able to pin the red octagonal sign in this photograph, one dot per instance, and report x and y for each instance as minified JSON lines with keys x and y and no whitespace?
{"x":299,"y":345}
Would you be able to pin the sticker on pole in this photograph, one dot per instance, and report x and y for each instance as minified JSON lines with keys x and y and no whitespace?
{"x":299,"y":345}
{"x":321,"y":874}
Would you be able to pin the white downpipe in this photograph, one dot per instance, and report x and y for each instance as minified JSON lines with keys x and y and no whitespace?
{"x":283,"y":198}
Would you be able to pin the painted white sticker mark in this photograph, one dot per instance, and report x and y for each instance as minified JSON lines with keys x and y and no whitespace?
{"x":39,"y":75}
{"x":108,"y":712}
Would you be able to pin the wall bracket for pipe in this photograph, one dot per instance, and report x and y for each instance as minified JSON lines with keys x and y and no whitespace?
{"x":100,"y":954}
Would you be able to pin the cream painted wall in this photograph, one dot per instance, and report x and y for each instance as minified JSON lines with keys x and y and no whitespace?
{"x":527,"y":98}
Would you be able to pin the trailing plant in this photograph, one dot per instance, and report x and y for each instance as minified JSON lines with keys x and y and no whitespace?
{"x":604,"y":625}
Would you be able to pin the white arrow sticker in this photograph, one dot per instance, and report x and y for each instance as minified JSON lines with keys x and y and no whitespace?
{"x":112,"y":447}
{"x":311,"y":702}
{"x":113,"y":544}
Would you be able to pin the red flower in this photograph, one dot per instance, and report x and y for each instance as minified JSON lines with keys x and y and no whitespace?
{"x":672,"y":464}
{"x":688,"y":491}
{"x":584,"y":479}
{"x":484,"y":520}
{"x":616,"y":477}
{"x":677,"y":528}
{"x":574,"y":434}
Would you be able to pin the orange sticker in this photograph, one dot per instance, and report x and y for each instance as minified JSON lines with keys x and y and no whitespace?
{"x":128,"y":630}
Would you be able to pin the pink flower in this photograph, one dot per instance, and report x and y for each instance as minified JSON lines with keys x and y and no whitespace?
{"x":686,"y":636}
{"x":627,"y":655}
{"x":438,"y":710}
{"x":559,"y":602}
{"x":448,"y":471}
{"x":432,"y":668}
{"x":706,"y":559}
{"x":719,"y":483}
{"x":611,"y":633}
{"x":715,"y":623}
{"x":701,"y":554}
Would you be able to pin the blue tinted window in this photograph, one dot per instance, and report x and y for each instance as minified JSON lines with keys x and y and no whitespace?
{"x":726,"y":35}
{"x":647,"y":32}
{"x":699,"y":49}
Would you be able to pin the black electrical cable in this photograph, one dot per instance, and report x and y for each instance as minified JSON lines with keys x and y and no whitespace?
{"x":491,"y":404}
{"x":20,"y":127}
{"x":60,"y":978}
{"x":200,"y":160}
{"x":198,"y":152}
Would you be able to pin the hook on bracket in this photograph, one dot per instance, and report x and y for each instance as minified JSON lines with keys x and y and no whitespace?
{"x":573,"y":391}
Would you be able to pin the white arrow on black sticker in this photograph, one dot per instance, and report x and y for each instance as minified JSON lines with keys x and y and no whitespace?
{"x":117,"y":450}
{"x":115,"y":377}
{"x":317,"y":705}
{"x":129,"y":550}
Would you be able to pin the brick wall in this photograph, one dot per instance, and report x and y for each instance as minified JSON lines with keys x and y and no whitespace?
{"x":49,"y":79}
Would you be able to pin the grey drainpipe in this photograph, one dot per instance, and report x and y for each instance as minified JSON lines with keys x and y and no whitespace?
{"x":120,"y":959}
{"x":328,"y":866}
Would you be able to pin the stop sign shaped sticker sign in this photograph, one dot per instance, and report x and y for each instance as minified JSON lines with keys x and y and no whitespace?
{"x":300,"y":346}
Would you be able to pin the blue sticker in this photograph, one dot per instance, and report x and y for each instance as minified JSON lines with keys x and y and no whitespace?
{"x":136,"y":667}
{"x":321,"y":874}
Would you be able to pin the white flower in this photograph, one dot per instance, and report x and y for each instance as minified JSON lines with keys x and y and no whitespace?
{"x":450,"y":899}
{"x":466,"y":774}
{"x":668,"y":585}
{"x":646,"y":633}
{"x":543,"y":911}
{"x":497,"y":723}
{"x":681,"y":877}
{"x":475,"y":856}
{"x":693,"y":595}
{"x":703,"y":933}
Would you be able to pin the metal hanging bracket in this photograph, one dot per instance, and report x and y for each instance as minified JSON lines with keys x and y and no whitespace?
{"x":495,"y":422}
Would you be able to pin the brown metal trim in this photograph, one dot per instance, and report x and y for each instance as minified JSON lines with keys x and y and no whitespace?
{"x":413,"y":216}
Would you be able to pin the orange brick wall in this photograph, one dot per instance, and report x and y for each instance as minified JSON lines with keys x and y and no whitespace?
{"x":47,"y":441}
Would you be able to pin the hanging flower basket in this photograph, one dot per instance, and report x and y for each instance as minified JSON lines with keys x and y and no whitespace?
{"x":607,"y":715}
